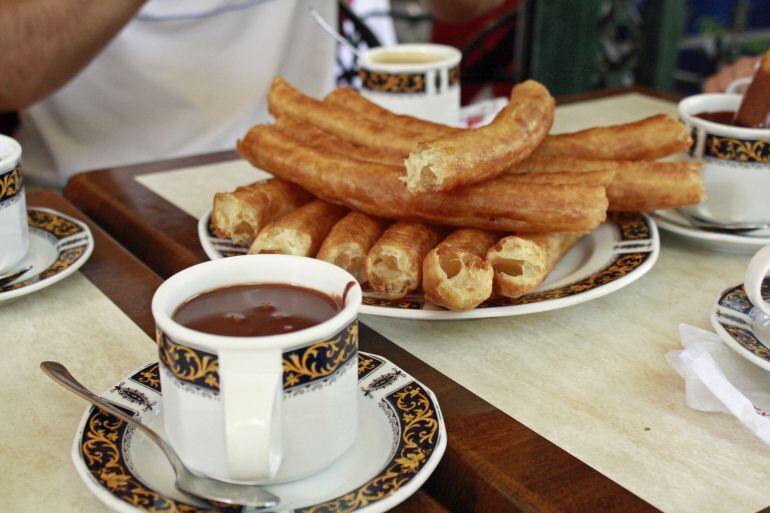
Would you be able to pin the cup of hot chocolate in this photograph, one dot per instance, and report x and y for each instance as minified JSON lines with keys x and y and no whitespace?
{"x":258,"y":365}
{"x":14,"y":239}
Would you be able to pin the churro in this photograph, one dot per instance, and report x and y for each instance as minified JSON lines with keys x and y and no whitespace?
{"x":376,"y":189}
{"x":455,"y":273}
{"x":300,"y":232}
{"x":241,"y":214}
{"x":394,"y":264}
{"x":473,"y":156}
{"x":522,"y":262}
{"x":646,"y":139}
{"x":648,"y":186}
{"x":349,"y":242}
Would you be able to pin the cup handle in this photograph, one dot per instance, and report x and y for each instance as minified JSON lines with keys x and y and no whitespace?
{"x":755,"y":275}
{"x":735,"y":84}
{"x":252,"y":395}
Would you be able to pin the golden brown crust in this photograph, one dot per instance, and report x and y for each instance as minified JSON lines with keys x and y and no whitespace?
{"x":349,"y":242}
{"x":473,"y":156}
{"x":241,"y":214}
{"x":394,"y":264}
{"x":376,"y":190}
{"x":299,"y":232}
{"x":522,"y":262}
{"x":346,"y":98}
{"x":455,"y":273}
{"x":648,"y":186}
{"x":283,"y":99}
{"x":602,"y":177}
{"x":316,"y":137}
{"x":646,"y":139}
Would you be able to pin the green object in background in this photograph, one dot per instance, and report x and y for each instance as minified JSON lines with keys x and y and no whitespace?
{"x":662,"y":26}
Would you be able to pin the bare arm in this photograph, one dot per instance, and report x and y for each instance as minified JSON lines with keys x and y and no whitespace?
{"x":458,"y":11}
{"x":46,"y":42}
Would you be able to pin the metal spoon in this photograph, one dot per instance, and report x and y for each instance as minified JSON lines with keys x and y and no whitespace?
{"x":186,"y":481}
{"x":703,"y":224}
{"x":9,"y":277}
{"x":330,"y":30}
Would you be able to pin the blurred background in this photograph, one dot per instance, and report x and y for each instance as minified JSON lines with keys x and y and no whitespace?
{"x":572,"y":46}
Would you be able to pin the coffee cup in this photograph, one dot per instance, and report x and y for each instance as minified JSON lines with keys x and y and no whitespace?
{"x":754,"y":280}
{"x":736,"y":162}
{"x":259,"y":409}
{"x":14,"y":237}
{"x":422,"y":80}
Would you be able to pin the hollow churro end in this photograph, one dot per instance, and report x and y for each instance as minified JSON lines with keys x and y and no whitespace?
{"x":422,"y":173}
{"x":281,"y":241}
{"x":390,"y":273}
{"x":456,"y":280}
{"x":350,"y":257}
{"x":517,"y":265}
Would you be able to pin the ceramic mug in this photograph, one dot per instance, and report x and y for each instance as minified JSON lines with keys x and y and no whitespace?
{"x":736,"y":162}
{"x":422,"y":80}
{"x":755,"y":276}
{"x":14,"y":236}
{"x":259,"y":409}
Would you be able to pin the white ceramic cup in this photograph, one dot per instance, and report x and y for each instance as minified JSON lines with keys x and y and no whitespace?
{"x":755,"y":276}
{"x":259,"y":409}
{"x":736,"y":162}
{"x":14,"y":236}
{"x":427,"y":90}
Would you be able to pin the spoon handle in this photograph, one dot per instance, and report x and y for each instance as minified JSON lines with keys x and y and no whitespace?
{"x":61,"y":375}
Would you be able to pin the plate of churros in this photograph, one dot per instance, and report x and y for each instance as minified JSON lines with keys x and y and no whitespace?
{"x":439,"y":222}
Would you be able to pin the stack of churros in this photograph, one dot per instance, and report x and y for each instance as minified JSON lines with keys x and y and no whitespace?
{"x":407,"y":205}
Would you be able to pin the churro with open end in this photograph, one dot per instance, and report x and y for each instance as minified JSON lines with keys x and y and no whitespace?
{"x":349,"y":242}
{"x":473,"y":156}
{"x":241,"y":214}
{"x":522,"y":262}
{"x":394,"y":264}
{"x":455,"y":274}
{"x":299,"y":232}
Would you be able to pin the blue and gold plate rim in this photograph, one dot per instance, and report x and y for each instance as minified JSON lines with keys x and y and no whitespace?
{"x":102,"y":441}
{"x":634,"y":251}
{"x":72,"y":241}
{"x":733,"y":316}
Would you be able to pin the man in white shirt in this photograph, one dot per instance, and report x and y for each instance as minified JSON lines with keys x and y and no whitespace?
{"x":105,"y":83}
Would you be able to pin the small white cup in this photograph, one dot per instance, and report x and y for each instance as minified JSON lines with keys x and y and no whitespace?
{"x":427,"y":90}
{"x":736,"y":162}
{"x":259,"y":409}
{"x":755,"y":276}
{"x":14,"y":236}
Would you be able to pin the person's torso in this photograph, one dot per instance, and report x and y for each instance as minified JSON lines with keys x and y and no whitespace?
{"x":183,"y":77}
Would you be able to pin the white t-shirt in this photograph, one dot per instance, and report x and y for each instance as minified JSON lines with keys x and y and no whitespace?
{"x":183,"y":77}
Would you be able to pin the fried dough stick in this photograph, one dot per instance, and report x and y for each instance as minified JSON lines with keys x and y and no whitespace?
{"x":603,"y":177}
{"x":314,"y":136}
{"x":284,"y":100}
{"x":346,"y":98}
{"x":349,"y":242}
{"x":455,"y":274}
{"x":473,"y":156}
{"x":299,"y":232}
{"x":646,"y":139}
{"x":638,"y":186}
{"x":394,"y":264}
{"x":522,"y":262}
{"x":375,"y":189}
{"x":241,"y":214}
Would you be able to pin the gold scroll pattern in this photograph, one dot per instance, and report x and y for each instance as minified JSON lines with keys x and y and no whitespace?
{"x":392,"y":82}
{"x":728,"y":148}
{"x":11,"y":184}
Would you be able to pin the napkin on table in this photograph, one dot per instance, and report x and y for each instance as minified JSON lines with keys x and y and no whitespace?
{"x":718,"y":379}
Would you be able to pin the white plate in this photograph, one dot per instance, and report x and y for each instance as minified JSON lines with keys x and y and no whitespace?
{"x":672,"y":221}
{"x":742,"y":326}
{"x":617,"y":253}
{"x":401,"y":438}
{"x":58,"y":246}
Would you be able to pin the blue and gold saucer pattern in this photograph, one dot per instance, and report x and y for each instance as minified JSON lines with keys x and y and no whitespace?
{"x":418,"y":432}
{"x":734,"y":317}
{"x":69,"y":239}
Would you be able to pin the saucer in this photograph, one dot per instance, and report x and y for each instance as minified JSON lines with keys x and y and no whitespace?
{"x":617,"y":253}
{"x":671,"y":221}
{"x":58,"y":246}
{"x":741,"y":325}
{"x":401,"y":438}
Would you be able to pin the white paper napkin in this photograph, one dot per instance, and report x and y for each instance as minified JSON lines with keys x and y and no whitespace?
{"x":717,"y":379}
